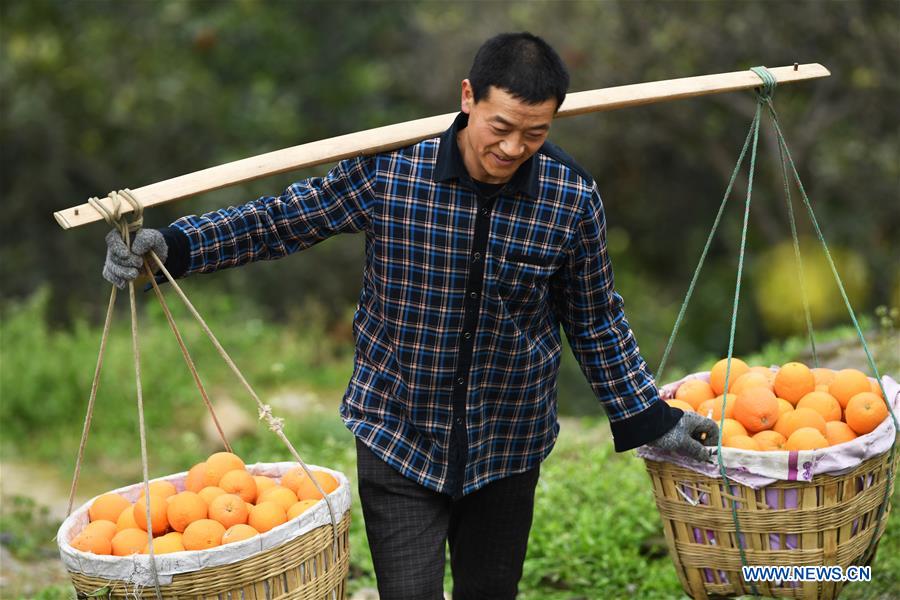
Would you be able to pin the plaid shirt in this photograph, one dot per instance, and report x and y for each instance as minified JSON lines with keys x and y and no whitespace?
{"x":457,"y":328}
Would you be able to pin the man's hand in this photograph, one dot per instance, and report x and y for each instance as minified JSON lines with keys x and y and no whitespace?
{"x":685,"y":437}
{"x":124,"y":264}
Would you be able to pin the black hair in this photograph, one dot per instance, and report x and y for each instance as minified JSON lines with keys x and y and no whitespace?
{"x":522,"y":64}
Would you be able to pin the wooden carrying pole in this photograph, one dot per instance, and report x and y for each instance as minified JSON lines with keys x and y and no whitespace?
{"x":391,"y":137}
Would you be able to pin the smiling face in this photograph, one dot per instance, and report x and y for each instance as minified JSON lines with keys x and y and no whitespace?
{"x":503,"y":132}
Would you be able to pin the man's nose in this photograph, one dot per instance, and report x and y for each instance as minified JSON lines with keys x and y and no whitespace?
{"x":512,"y":147}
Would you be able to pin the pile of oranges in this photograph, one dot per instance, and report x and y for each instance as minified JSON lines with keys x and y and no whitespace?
{"x":221,"y":503}
{"x":791,"y":408}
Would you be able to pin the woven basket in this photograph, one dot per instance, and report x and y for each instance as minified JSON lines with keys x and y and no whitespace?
{"x":833,"y":524}
{"x":304,"y":566}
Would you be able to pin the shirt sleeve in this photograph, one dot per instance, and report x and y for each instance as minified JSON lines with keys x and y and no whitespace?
{"x":271,"y":227}
{"x":592,"y":316}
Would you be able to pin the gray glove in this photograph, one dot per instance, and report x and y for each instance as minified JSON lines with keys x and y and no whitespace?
{"x":124,"y":264}
{"x":685,"y":437}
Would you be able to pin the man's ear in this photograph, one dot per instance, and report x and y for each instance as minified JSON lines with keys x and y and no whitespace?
{"x":467,"y":96}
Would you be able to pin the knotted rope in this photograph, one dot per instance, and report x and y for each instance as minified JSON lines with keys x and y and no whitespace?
{"x":115,"y":218}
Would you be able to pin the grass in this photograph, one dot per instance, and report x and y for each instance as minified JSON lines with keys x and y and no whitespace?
{"x":596,"y":531}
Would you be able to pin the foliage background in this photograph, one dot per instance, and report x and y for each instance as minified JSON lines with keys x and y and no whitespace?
{"x":98,"y":95}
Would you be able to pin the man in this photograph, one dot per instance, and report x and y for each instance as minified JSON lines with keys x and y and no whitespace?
{"x":479,"y":244}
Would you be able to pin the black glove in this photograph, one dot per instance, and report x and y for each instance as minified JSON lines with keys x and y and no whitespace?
{"x":124,"y":264}
{"x":685,"y":437}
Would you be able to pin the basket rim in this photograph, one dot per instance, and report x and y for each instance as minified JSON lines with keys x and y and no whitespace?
{"x":137,"y":567}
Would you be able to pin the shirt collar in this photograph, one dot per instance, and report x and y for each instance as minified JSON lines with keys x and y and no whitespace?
{"x":450,"y":163}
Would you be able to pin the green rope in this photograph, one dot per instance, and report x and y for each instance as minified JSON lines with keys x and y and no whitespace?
{"x":734,"y":312}
{"x":890,"y":475}
{"x":690,"y":291}
{"x":764,"y":97}
{"x":797,"y":256}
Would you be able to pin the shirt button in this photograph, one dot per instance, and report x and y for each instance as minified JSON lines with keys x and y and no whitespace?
{"x":468,"y":335}
{"x":460,"y":381}
{"x":477,"y":256}
{"x":458,"y":421}
{"x":473,"y":295}
{"x":484,"y":211}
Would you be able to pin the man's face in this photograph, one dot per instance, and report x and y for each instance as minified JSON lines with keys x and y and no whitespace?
{"x":503,"y":132}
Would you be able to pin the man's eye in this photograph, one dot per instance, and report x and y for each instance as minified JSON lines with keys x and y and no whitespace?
{"x":501,"y":131}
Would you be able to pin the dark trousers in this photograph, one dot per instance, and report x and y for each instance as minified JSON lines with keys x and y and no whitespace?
{"x":408,"y":526}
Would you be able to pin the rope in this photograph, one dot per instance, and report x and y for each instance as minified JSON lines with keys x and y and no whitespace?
{"x":276,"y":425}
{"x":890,"y":472}
{"x":141,"y":427}
{"x":764,"y":98}
{"x":187,"y":355}
{"x":734,"y":312}
{"x":797,"y":257}
{"x":115,"y":218}
{"x":90,"y":409}
{"x":690,"y":292}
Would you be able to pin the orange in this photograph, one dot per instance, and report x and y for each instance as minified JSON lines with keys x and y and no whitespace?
{"x":797,"y":418}
{"x":756,"y":409}
{"x":209,"y":493}
{"x":95,"y":542}
{"x":847,"y":383}
{"x":749,"y":380}
{"x":280,"y":494}
{"x":766,"y":371}
{"x":823,"y":376}
{"x":291,"y":479}
{"x":266,"y":516}
{"x":228,"y":509}
{"x":823,"y":403}
{"x":263,"y":483}
{"x":694,"y":391}
{"x":300,"y":507}
{"x":838,"y":432}
{"x":680,"y":404}
{"x":203,"y":534}
{"x":713,"y":408}
{"x":717,"y":374}
{"x":865,"y":412}
{"x":159,"y":521}
{"x":194,"y":480}
{"x":793,"y":381}
{"x":741,"y":441}
{"x":732,"y":427}
{"x":184,"y":509}
{"x":237,"y":533}
{"x":876,"y":389}
{"x":784,"y":406}
{"x":806,"y":438}
{"x":129,"y":541}
{"x":126,"y":521}
{"x":103,"y":527}
{"x":307,"y":489}
{"x":240,"y":482}
{"x":165,"y":544}
{"x":218,"y":464}
{"x":769,"y":440}
{"x":108,"y":507}
{"x":160,"y":488}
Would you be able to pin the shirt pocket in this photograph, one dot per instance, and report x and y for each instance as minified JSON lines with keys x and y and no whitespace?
{"x":522,"y":283}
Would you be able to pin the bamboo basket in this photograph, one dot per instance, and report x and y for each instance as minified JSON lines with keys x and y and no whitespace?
{"x":833,"y":524}
{"x":305,"y":566}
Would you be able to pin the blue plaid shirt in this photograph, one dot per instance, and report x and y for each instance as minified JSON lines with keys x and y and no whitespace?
{"x":457,"y":328}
